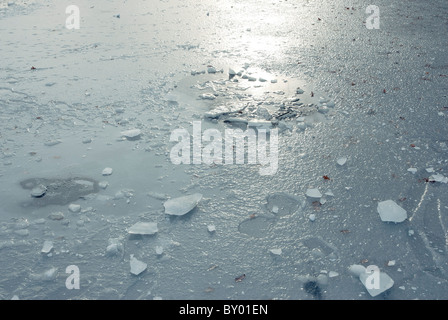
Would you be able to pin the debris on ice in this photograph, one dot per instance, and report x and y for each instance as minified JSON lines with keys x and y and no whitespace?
{"x":313,"y":193}
{"x":137,"y":266}
{"x":211,"y":228}
{"x":107,"y":171}
{"x":143,"y":228}
{"x":390,"y":211}
{"x":182,"y":205}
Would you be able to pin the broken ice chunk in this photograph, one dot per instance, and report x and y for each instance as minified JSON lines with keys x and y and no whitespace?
{"x":132,"y":134}
{"x":312,"y":217}
{"x":143,"y":228}
{"x":159,"y":250}
{"x":137,"y":266}
{"x":182,"y":205}
{"x":438,"y":178}
{"x":39,"y":191}
{"x":299,"y":91}
{"x":107,"y":171}
{"x":211,"y":228}
{"x":47,"y":247}
{"x":357,"y":269}
{"x":313,"y":193}
{"x":412,"y":170}
{"x":341,"y":161}
{"x":376,"y":284}
{"x":211,"y":69}
{"x":74,"y":208}
{"x":391,"y":212}
{"x":207,"y":96}
{"x":114,"y":247}
{"x":276,"y":251}
{"x":103,"y":184}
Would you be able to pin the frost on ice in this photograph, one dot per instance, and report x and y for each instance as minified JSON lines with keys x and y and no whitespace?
{"x":137,"y":266}
{"x":182,"y":205}
{"x":391,"y":212}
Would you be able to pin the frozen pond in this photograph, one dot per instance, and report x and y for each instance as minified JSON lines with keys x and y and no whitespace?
{"x":89,"y":179}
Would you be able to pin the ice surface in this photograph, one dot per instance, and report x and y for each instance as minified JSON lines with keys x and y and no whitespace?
{"x":62,"y":120}
{"x":182,"y":205}
{"x":390,"y":211}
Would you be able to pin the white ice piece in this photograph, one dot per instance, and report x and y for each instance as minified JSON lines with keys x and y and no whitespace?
{"x":38,"y":191}
{"x":114,"y":248}
{"x":131,"y":133}
{"x":182,"y":205}
{"x":313,"y":193}
{"x":103,"y":184}
{"x":159,"y":250}
{"x":312,"y":217}
{"x":384,"y":282}
{"x":357,"y":269}
{"x":232,"y":72}
{"x":137,"y":266}
{"x":391,"y":212}
{"x":276,"y":251}
{"x":438,"y":178}
{"x":211,"y":228}
{"x":47,"y":247}
{"x":107,"y":171}
{"x":412,"y":170}
{"x":75,"y":208}
{"x":207,"y":96}
{"x":143,"y":228}
{"x":342,"y":161}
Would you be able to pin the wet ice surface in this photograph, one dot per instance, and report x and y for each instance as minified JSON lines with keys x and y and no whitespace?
{"x":75,"y":102}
